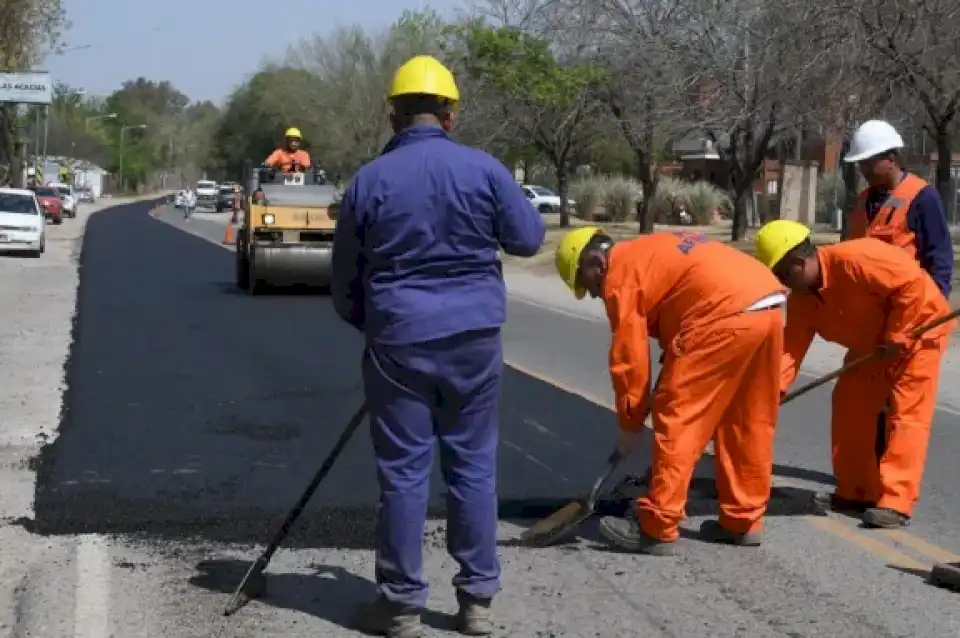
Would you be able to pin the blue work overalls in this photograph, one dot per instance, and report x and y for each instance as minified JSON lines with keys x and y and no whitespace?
{"x":416,"y":268}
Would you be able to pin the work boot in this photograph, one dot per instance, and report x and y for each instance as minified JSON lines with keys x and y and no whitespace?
{"x":714,"y":532}
{"x":885,"y":518}
{"x":474,"y":618}
{"x":625,"y":533}
{"x":383,"y":617}
{"x":824,"y":502}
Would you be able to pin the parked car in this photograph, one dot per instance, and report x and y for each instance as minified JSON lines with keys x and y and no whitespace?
{"x":68,"y":197}
{"x":206,"y":193}
{"x":49,"y":198}
{"x":86,"y":195}
{"x":22,"y":224}
{"x":544,"y":199}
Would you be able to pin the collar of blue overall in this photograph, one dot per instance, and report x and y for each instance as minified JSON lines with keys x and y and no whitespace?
{"x":412,"y":134}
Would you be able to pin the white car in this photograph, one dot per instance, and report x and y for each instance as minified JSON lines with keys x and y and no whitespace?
{"x":544,"y":199}
{"x":69,"y":199}
{"x":207,"y":193}
{"x":23,"y":227}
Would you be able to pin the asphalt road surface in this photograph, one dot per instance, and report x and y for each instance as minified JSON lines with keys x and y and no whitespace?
{"x":194,"y":415}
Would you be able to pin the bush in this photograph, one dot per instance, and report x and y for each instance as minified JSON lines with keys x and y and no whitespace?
{"x":606,"y":198}
{"x":587,"y":193}
{"x":700,"y":199}
{"x":620,"y":198}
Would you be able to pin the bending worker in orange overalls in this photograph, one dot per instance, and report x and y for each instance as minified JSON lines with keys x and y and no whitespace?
{"x":864,"y":294}
{"x":291,"y":158}
{"x":715,"y":312}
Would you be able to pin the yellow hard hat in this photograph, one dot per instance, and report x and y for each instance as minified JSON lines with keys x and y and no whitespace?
{"x":424,"y":75}
{"x":567,"y":258}
{"x":775,"y":239}
{"x":293,"y":132}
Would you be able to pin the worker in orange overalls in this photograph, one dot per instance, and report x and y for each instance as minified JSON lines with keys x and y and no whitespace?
{"x":901,"y":209}
{"x":865,"y":294}
{"x":291,"y":158}
{"x":715,"y":312}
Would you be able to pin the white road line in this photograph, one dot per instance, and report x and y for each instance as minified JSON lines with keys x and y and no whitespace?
{"x":534,"y":460}
{"x":91,"y":618}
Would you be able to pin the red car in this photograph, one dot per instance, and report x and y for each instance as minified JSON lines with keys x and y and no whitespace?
{"x":49,"y":198}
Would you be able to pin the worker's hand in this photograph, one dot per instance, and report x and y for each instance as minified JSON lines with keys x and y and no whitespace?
{"x":891,"y":350}
{"x":629,"y":442}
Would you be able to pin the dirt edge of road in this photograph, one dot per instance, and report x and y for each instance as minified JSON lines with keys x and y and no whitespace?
{"x":41,"y":360}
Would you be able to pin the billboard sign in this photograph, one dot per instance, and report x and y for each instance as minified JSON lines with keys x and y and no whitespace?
{"x":35,"y":87}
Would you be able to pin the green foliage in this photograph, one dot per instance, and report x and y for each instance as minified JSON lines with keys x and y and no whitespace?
{"x":610,"y":199}
{"x":700,"y":199}
{"x":522,"y":67}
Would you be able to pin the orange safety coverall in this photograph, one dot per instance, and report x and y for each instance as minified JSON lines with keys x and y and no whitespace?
{"x":874,"y":293}
{"x":284,"y":159}
{"x":720,"y":375}
{"x":890,"y":223}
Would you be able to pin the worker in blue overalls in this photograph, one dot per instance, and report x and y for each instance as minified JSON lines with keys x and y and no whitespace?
{"x":416,"y":268}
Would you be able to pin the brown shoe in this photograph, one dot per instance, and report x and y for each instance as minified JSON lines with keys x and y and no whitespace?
{"x":824,"y":502}
{"x":386,"y":618}
{"x":475,"y":617}
{"x":885,"y":518}
{"x":714,"y":532}
{"x":625,"y":533}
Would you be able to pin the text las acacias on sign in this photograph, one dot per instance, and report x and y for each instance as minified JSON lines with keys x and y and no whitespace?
{"x":34,"y":87}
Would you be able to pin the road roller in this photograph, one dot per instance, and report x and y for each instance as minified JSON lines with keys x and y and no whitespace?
{"x":285,"y":233}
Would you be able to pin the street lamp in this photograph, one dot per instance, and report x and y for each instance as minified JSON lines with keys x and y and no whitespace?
{"x":123,"y":130}
{"x":108,"y":116}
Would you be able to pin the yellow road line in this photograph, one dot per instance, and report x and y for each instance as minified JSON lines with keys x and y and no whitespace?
{"x":872,"y":545}
{"x":922,"y":546}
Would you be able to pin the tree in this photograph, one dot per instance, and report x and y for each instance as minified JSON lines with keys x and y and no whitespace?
{"x":760,"y":70}
{"x":912,"y":48}
{"x":29,"y":29}
{"x":645,"y":84}
{"x":551,"y":106}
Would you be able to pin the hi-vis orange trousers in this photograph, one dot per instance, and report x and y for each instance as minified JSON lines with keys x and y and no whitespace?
{"x":909,"y":390}
{"x":720,"y":382}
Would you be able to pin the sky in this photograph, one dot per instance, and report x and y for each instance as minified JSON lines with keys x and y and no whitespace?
{"x":205,"y":48}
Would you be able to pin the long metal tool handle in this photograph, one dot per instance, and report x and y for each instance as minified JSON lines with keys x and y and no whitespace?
{"x":612,"y":464}
{"x":816,"y":383}
{"x":314,"y":484}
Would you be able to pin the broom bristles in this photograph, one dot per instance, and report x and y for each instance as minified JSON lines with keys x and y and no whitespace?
{"x":563,"y":517}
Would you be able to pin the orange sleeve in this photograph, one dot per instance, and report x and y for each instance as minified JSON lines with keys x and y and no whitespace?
{"x":629,"y":357}
{"x":797,"y":337}
{"x":274,"y":159}
{"x":305,"y":160}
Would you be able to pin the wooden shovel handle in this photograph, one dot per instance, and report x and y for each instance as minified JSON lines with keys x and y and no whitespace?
{"x":816,"y":383}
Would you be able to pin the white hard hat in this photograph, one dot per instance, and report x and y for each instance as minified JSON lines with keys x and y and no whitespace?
{"x":873,"y":138}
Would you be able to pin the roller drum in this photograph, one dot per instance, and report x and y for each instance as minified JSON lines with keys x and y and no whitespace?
{"x":309,"y":264}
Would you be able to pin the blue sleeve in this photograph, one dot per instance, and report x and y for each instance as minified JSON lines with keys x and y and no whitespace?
{"x":348,"y":261}
{"x":520,"y":228}
{"x":927,"y":219}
